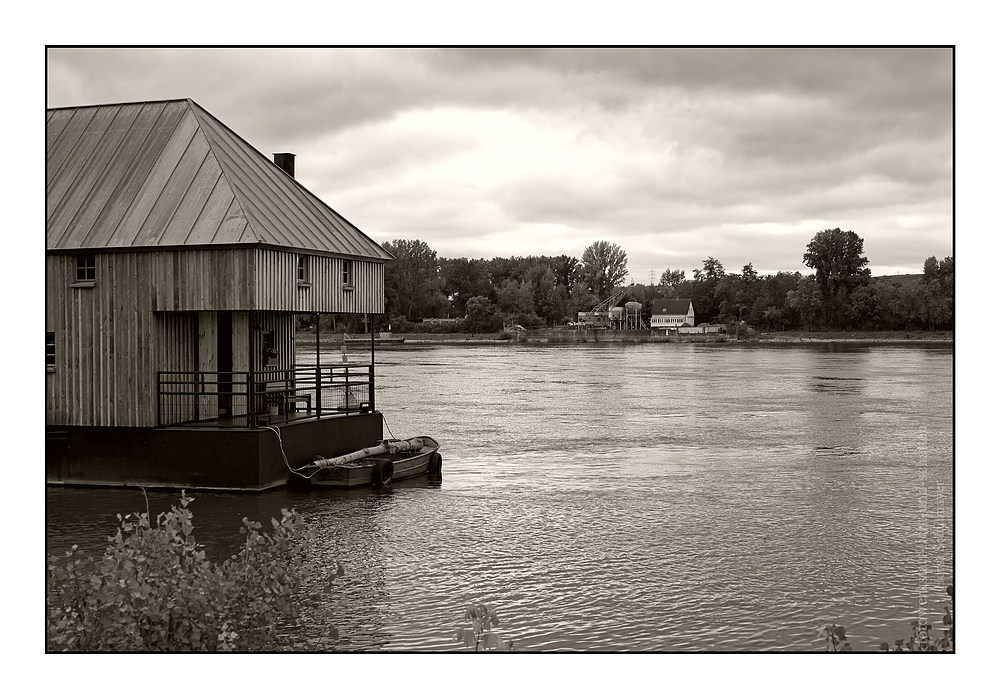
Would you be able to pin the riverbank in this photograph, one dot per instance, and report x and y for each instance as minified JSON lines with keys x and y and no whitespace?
{"x":789,"y":336}
{"x":337,"y":339}
{"x":873,"y":337}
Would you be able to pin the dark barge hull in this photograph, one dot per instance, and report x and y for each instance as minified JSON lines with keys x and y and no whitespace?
{"x":201,"y":458}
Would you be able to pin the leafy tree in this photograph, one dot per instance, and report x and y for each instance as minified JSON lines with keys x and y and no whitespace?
{"x":463,"y":279}
{"x":937,"y":292}
{"x":515,"y":297}
{"x":711,"y":269}
{"x":481,"y":314}
{"x":933,"y":308}
{"x":540,"y":280}
{"x":605,"y":266}
{"x":567,"y":270}
{"x":905,"y":305}
{"x":807,"y":300}
{"x":865,"y":310}
{"x":774,"y":317}
{"x":582,"y":298}
{"x":549,"y":302}
{"x":702,"y":290}
{"x":840,"y":264}
{"x":669,"y":281}
{"x":413,"y":283}
{"x":555,"y":307}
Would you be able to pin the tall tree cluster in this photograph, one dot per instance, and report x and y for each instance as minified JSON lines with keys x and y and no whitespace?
{"x":543,"y":291}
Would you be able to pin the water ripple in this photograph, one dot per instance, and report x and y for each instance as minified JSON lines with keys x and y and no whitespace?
{"x":649,"y":498}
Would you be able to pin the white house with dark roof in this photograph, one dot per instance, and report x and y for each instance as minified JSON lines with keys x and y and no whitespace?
{"x":668,"y":314}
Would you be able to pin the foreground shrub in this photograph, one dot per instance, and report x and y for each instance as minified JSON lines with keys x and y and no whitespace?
{"x":154,"y":589}
{"x":920,"y":640}
{"x":481,"y":634}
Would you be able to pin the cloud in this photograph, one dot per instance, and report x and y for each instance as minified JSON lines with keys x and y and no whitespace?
{"x":674,"y":154}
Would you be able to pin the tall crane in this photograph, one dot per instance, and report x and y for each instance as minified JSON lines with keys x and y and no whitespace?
{"x":600,"y":316}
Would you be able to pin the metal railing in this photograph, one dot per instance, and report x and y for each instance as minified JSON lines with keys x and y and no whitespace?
{"x":241,"y":399}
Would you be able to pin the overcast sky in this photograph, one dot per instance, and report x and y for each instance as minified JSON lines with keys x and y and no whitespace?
{"x":673,"y":154}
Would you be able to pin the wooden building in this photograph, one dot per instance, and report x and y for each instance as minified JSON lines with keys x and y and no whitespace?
{"x":177,"y":256}
{"x":669,"y":314}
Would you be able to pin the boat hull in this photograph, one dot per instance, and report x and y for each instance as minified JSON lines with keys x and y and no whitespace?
{"x":360,"y":473}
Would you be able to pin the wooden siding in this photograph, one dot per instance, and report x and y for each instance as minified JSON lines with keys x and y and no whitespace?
{"x":262,"y":279}
{"x":203,"y":280}
{"x":112,"y":339}
{"x":109,"y":343}
{"x":282,"y":325}
{"x":278,"y":287}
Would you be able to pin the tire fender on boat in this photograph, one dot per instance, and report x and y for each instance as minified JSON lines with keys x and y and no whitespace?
{"x":382,"y":472}
{"x":434,"y":465}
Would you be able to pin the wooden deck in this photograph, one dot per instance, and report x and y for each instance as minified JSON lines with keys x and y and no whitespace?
{"x":240,"y":421}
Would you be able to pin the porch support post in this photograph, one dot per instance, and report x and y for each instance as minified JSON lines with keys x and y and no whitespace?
{"x":251,"y":379}
{"x":319,"y":399}
{"x":371,"y":370}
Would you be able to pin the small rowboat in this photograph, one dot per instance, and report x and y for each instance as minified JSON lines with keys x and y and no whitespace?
{"x":391,"y":460}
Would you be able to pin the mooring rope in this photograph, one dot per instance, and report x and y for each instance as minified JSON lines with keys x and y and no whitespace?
{"x":387,"y":426}
{"x":282,"y":448}
{"x":284,"y":457}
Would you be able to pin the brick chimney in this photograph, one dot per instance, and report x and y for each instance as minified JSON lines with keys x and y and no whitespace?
{"x":286,"y":161}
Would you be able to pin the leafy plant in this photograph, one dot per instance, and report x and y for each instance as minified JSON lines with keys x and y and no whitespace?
{"x":481,"y":634}
{"x":836,"y":638}
{"x":920,"y":640}
{"x":154,"y":589}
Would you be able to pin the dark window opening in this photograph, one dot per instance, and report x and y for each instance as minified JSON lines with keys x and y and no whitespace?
{"x":302,"y":273}
{"x":50,"y":349}
{"x":86,"y":268}
{"x":348,"y":273}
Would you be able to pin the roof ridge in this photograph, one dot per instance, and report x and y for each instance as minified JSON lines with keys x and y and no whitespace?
{"x":119,"y":104}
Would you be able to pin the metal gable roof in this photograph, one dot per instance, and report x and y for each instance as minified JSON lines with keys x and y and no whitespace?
{"x":672,"y":307}
{"x":154,"y":174}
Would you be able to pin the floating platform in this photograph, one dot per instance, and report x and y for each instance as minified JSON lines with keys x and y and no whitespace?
{"x":200,"y":457}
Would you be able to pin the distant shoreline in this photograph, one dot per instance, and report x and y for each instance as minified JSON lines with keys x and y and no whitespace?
{"x":943,"y":337}
{"x":868,"y":337}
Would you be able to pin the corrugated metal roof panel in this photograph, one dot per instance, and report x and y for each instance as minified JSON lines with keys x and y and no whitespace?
{"x":280,"y":210}
{"x":169,"y":173}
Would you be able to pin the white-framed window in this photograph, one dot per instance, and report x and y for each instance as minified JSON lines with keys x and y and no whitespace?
{"x":348,"y":279}
{"x":86,"y":268}
{"x":302,"y":270}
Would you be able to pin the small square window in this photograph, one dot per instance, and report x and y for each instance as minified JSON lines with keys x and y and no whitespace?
{"x":86,"y":268}
{"x":348,"y":273}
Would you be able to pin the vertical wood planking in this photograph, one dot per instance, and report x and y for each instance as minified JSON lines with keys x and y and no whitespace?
{"x":112,"y":339}
{"x":279,"y":288}
{"x":241,"y":356}
{"x":208,"y":360}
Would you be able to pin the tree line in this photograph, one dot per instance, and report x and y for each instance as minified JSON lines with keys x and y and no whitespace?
{"x":539,"y":291}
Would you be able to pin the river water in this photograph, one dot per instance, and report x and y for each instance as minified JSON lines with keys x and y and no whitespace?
{"x":667,"y":497}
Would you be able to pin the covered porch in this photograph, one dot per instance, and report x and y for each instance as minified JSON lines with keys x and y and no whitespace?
{"x":252,"y":399}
